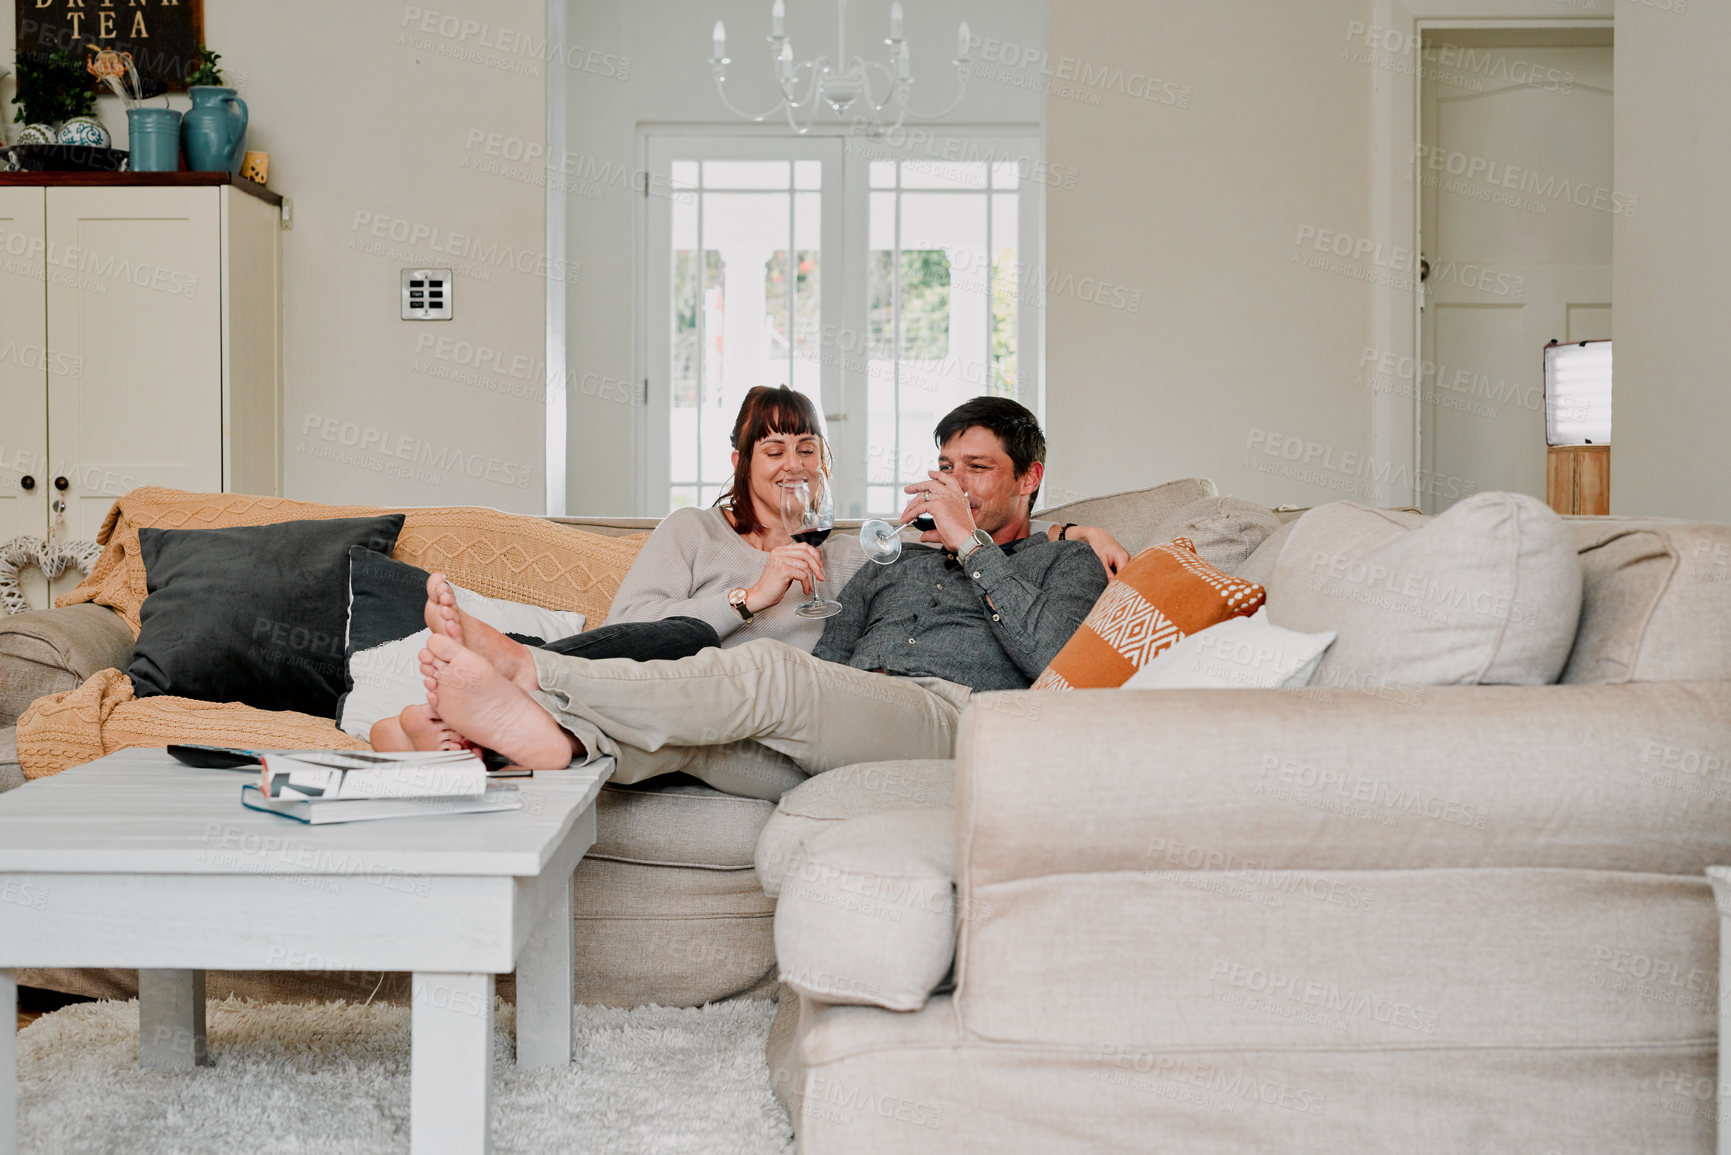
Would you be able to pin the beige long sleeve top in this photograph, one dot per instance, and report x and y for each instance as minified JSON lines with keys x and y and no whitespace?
{"x":694,"y":558}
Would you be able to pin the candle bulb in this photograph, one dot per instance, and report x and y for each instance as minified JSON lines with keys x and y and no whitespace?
{"x":962,"y":42}
{"x":786,"y":60}
{"x":778,"y":20}
{"x":895,"y":21}
{"x":720,"y":41}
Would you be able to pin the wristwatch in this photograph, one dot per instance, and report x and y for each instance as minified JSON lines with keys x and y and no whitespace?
{"x":736,"y":598}
{"x":977,"y":539}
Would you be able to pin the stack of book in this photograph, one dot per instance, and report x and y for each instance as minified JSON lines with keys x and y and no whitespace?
{"x":322,"y":786}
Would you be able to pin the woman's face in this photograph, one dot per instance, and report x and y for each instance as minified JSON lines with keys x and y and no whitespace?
{"x":780,"y":458}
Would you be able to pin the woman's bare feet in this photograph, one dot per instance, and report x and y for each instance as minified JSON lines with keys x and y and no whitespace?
{"x":427,"y":731}
{"x":473,"y":696}
{"x":416,"y":728}
{"x":387,"y":734}
{"x":444,"y":616}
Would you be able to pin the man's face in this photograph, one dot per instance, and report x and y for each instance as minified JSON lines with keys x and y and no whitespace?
{"x":999,"y":499}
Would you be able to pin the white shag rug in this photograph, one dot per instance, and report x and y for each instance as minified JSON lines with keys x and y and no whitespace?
{"x":335,"y":1078}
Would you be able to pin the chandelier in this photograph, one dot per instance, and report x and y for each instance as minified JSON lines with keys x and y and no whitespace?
{"x":872,"y":94}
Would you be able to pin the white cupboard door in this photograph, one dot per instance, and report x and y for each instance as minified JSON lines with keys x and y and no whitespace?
{"x":25,"y":363}
{"x":25,"y":366}
{"x":135,"y":294}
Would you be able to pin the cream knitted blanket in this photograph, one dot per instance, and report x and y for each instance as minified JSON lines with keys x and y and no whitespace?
{"x":501,"y":555}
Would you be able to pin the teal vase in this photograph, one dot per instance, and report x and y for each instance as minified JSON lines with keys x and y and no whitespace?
{"x":213,"y":131}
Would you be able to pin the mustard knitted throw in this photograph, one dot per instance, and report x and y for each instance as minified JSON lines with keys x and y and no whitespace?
{"x":501,"y":555}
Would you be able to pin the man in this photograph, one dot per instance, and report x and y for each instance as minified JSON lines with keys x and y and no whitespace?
{"x":889,"y":679}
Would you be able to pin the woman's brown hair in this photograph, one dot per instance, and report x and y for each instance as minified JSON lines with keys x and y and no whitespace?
{"x":767,"y":409}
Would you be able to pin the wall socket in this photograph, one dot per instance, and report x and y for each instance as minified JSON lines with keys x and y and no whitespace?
{"x":426,"y":294}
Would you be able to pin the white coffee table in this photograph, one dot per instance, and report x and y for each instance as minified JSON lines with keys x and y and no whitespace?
{"x":137,"y":861}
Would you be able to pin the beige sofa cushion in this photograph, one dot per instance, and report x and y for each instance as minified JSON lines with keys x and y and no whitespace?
{"x":11,"y":776}
{"x":1134,"y":518}
{"x":1356,"y":959}
{"x":1259,"y":566}
{"x":1657,"y":601}
{"x":1488,"y":592}
{"x":675,"y":821}
{"x":862,"y":1082}
{"x":848,"y":792}
{"x":51,"y":651}
{"x":1225,"y":530}
{"x":867,"y":910}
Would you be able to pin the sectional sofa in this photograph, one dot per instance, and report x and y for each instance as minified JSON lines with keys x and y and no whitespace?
{"x":1370,"y":916}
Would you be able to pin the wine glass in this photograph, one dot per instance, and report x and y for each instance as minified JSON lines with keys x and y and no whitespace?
{"x":808,"y":513}
{"x":880,"y":541}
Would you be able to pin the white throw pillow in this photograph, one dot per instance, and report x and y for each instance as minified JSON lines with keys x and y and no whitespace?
{"x":388,"y":677}
{"x":1239,"y":653}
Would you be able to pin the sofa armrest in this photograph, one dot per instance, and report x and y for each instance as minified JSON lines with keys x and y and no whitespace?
{"x":824,"y":801}
{"x":1632,"y":778}
{"x":11,"y":773}
{"x":51,"y":651}
{"x":867,"y":913}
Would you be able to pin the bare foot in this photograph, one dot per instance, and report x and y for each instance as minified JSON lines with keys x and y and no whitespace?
{"x":480,"y":702}
{"x":427,"y":731}
{"x":444,"y":616}
{"x":387,"y":734}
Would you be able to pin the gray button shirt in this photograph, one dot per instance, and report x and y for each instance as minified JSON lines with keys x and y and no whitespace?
{"x":924,"y":616}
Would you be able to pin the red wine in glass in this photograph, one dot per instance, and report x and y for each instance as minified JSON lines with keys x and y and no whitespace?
{"x":813,"y":537}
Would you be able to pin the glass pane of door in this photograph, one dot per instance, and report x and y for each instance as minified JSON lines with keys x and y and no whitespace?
{"x":746,"y":307}
{"x":943,"y":308}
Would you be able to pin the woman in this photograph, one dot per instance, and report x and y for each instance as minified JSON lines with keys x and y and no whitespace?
{"x":723,"y":575}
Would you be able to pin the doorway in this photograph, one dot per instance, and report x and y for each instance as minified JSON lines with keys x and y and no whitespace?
{"x":1516,"y":205}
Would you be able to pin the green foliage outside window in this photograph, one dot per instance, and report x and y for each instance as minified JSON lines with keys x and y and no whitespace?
{"x":925,"y":282}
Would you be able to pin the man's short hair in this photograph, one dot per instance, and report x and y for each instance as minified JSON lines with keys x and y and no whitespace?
{"x":1013,"y":423}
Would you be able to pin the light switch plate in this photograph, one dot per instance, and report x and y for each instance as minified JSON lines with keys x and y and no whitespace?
{"x":426,"y":294}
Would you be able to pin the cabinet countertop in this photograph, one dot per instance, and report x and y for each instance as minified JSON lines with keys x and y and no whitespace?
{"x":137,"y":180}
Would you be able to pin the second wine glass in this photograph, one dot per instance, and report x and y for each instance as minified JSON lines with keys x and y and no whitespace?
{"x":808,"y":514}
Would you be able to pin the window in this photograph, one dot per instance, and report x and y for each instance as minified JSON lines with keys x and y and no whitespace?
{"x":884,"y":283}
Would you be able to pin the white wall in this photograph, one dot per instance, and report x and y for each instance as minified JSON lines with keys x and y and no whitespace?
{"x":669,"y":82}
{"x":1672,"y":419}
{"x":1197,"y":208}
{"x":358,"y":120}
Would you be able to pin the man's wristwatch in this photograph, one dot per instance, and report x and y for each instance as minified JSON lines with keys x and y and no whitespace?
{"x":736,"y":598}
{"x":977,"y":539}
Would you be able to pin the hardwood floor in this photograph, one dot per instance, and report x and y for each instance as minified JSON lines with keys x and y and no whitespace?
{"x":33,"y":1003}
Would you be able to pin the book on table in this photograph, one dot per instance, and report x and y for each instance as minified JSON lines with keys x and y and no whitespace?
{"x":321,"y":786}
{"x":320,"y":811}
{"x":353,"y":774}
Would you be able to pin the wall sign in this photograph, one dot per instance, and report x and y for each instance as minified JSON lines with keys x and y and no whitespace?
{"x":162,"y":35}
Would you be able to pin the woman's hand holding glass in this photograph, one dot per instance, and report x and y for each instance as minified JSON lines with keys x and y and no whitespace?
{"x":784,"y":567}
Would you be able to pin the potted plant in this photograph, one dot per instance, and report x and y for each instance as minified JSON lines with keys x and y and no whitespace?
{"x":205,"y":72}
{"x":52,"y":90}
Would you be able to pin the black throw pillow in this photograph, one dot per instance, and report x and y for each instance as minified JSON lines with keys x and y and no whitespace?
{"x":254,"y":614}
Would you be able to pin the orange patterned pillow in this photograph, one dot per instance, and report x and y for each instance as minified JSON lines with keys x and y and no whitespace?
{"x":1164,"y":594}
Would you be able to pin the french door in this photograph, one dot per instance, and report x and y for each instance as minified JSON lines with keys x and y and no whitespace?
{"x":888,"y":283}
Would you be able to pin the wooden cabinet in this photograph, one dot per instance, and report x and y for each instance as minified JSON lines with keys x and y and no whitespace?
{"x":140,"y":344}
